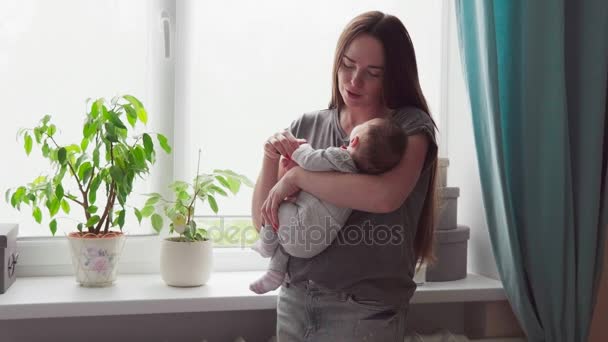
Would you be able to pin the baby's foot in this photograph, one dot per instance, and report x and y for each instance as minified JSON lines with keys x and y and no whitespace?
{"x":263,"y":249}
{"x":271,"y":280}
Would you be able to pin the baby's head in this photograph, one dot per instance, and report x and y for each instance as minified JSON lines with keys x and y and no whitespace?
{"x":377,"y":145}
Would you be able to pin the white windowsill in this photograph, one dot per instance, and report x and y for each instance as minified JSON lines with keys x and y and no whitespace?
{"x":46,"y":297}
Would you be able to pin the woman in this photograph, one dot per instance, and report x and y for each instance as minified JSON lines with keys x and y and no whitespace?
{"x":359,"y":288}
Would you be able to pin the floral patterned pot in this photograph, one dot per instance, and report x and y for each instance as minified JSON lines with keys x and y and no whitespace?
{"x":95,"y":258}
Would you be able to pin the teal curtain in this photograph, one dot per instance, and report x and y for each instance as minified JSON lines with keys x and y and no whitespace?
{"x":536,"y":71}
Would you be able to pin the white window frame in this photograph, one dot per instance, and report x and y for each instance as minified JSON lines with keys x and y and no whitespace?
{"x":142,"y":253}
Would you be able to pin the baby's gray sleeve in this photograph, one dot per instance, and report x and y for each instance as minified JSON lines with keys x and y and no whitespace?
{"x":330,"y":159}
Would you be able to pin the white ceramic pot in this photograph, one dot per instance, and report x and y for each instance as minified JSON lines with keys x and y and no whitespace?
{"x":186,"y":264}
{"x":95,"y":259}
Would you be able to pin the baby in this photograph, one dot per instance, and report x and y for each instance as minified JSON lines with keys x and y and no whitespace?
{"x":375,"y":146}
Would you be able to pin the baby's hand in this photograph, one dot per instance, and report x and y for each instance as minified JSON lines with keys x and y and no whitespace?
{"x":288,"y":163}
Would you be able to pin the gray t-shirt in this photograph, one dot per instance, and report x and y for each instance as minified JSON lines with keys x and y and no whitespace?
{"x":373,"y":255}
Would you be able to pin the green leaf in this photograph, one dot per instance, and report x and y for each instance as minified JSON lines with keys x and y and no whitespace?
{"x":157,"y":222}
{"x":142,"y":115}
{"x":147,"y":211}
{"x":37,"y":214}
{"x":139,"y":108}
{"x":65,"y":206}
{"x":148,"y":146}
{"x":53,"y":226}
{"x":45,"y":150}
{"x":113,"y":118}
{"x":140,"y":156}
{"x":183,"y":196}
{"x":232,"y":174}
{"x":38,"y":135}
{"x":51,"y":130}
{"x":59,"y":191}
{"x":28,"y":144}
{"x":79,"y":161}
{"x":96,"y":156}
{"x":121,"y":218}
{"x":152,"y":201}
{"x":93,"y":220}
{"x":61,"y":155}
{"x":48,"y":191}
{"x":79,"y":227}
{"x":92,"y":209}
{"x":73,"y":148}
{"x":84,"y":144}
{"x":235,"y":185}
{"x":178,"y":186}
{"x":192,"y":229}
{"x":117,"y":174}
{"x":110,"y":132}
{"x":212,"y":203}
{"x":218,"y":190}
{"x":223,"y":181}
{"x":54,"y":206}
{"x":162,"y":140}
{"x":18,"y":196}
{"x":131,"y":115}
{"x":202,"y":233}
{"x":84,"y":171}
{"x":7,"y":195}
{"x":93,"y":193}
{"x":138,"y":215}
{"x":46,"y":119}
{"x":96,"y":108}
{"x":89,"y":129}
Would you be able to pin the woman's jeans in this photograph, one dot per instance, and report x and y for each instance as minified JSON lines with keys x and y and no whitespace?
{"x":307,"y":312}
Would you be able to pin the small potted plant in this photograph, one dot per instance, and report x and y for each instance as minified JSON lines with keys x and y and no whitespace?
{"x":104,"y":164}
{"x":186,"y":259}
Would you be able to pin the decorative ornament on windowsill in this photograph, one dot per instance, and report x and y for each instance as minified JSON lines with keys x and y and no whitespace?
{"x":107,"y":160}
{"x":186,"y":260}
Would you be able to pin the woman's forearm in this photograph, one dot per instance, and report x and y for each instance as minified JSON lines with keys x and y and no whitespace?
{"x":358,"y":191}
{"x":266,"y":180}
{"x":382,"y":193}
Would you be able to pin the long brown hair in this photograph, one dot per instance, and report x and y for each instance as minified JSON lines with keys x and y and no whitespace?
{"x":401,"y":88}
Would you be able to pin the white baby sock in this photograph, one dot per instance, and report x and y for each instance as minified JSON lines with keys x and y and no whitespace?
{"x":271,"y":280}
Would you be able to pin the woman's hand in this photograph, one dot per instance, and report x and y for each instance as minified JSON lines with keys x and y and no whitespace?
{"x":284,"y":189}
{"x":281,"y":144}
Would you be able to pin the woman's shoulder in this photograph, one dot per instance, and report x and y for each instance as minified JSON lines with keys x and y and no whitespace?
{"x":414,"y":120}
{"x":411,"y":115}
{"x":312,"y":120}
{"x":321,"y":114}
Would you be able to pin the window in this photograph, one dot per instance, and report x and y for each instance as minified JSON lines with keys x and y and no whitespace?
{"x":250,"y":68}
{"x":220,"y":76}
{"x":55,"y":55}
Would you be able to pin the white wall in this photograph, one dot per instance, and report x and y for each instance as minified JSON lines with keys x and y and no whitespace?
{"x":463,"y":171}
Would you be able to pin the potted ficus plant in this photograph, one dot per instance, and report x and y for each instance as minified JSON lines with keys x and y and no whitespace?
{"x":186,"y":259}
{"x":96,"y":175}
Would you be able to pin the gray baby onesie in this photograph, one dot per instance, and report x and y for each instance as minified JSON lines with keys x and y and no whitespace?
{"x":308,"y":226}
